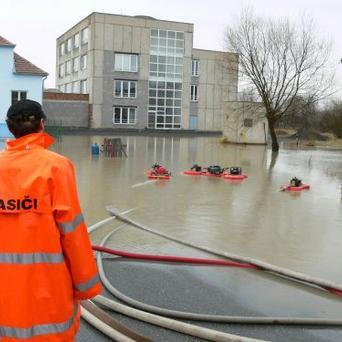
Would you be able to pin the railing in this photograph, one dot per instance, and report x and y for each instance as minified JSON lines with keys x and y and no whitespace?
{"x":112,"y":147}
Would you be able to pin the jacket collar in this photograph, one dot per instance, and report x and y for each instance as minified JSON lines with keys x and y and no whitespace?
{"x":30,"y":141}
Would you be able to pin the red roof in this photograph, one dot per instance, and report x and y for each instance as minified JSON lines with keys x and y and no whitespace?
{"x":23,"y":66}
{"x":4,"y":41}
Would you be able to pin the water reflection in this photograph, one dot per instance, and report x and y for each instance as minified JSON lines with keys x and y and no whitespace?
{"x":274,"y":157}
{"x":300,"y":231}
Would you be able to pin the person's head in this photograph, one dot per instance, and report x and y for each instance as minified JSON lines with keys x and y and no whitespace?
{"x":25,"y":117}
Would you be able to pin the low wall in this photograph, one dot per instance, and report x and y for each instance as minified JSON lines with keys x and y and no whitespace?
{"x":68,"y":110}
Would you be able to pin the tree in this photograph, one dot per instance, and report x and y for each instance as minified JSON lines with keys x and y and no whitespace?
{"x":301,"y":114}
{"x":282,"y":61}
{"x":331,"y":118}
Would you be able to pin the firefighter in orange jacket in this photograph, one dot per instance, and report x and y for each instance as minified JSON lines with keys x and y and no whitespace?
{"x":46,"y":260}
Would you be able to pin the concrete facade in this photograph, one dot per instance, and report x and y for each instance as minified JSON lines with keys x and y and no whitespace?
{"x":217,"y":83}
{"x":15,"y":77}
{"x":140,"y":102}
{"x":245,"y":123}
{"x":162,"y":81}
{"x":69,"y":110}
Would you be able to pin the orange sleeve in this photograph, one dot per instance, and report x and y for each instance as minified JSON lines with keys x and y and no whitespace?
{"x":74,"y":235}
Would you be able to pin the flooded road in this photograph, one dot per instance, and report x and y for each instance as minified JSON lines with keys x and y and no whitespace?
{"x":300,"y":231}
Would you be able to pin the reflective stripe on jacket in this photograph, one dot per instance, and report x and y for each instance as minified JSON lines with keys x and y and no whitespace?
{"x":46,"y":260}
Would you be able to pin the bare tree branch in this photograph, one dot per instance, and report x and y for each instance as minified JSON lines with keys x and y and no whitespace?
{"x":282,"y":61}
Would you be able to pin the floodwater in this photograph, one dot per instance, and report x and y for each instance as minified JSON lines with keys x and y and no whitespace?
{"x":300,"y":231}
{"x":253,"y":218}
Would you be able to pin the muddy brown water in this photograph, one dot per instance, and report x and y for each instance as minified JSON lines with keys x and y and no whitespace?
{"x":300,"y":231}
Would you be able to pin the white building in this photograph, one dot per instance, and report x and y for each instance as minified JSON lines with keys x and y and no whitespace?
{"x":20,"y":79}
{"x":141,"y":72}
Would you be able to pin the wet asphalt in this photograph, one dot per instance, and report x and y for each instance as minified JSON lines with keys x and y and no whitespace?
{"x":219,"y":290}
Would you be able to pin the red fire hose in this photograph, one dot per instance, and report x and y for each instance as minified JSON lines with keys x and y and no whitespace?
{"x":201,"y":261}
{"x":170,"y":258}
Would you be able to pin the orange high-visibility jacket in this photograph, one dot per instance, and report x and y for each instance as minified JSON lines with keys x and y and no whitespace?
{"x":46,"y":260}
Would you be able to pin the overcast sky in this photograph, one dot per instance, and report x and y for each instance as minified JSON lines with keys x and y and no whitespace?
{"x":34,"y":25}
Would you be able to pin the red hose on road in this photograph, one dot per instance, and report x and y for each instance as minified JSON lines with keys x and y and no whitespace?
{"x":201,"y":261}
{"x":334,"y":291}
{"x":170,"y":258}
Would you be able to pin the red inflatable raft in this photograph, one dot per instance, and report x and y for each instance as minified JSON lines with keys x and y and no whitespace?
{"x":152,"y":175}
{"x":206,"y":173}
{"x":237,"y":177}
{"x":193,"y":173}
{"x":295,"y":188}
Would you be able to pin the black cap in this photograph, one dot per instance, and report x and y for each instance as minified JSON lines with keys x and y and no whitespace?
{"x":24,"y":109}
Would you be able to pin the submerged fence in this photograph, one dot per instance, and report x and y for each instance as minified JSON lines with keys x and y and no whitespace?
{"x":113,"y":147}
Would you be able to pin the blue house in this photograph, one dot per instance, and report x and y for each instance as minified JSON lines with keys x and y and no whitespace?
{"x":19,"y":79}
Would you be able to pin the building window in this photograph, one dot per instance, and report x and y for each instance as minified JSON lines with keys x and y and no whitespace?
{"x":84,"y":36}
{"x":125,"y":62}
{"x":83,"y":87}
{"x":124,"y":115}
{"x":168,"y":68}
{"x":165,"y":104}
{"x":165,"y":79}
{"x":194,"y":93}
{"x":166,"y":55}
{"x":18,"y":95}
{"x":76,"y":40}
{"x":167,"y":42}
{"x":61,"y":70}
{"x":68,"y":88}
{"x":61,"y":49}
{"x":75,"y":87}
{"x":195,"y":67}
{"x":75,"y":64}
{"x":68,"y":45}
{"x":125,"y":88}
{"x":68,"y":68}
{"x":83,"y":62}
{"x":248,"y":122}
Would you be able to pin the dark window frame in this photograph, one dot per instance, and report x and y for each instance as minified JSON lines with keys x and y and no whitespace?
{"x":20,"y":95}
